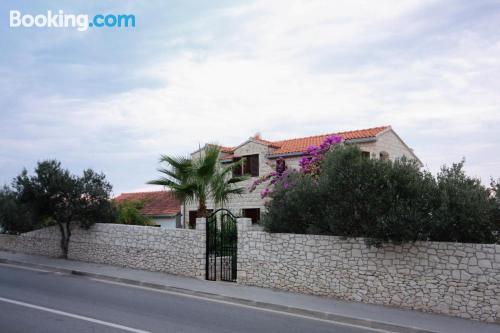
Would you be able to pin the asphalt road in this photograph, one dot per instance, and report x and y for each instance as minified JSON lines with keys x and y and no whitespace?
{"x":41,"y":301}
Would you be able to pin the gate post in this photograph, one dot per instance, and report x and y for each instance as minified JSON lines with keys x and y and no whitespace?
{"x":201,"y":223}
{"x":201,"y":226}
{"x":244,"y":223}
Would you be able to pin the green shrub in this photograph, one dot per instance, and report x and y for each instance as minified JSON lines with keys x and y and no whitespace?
{"x":495,"y":195}
{"x":129,"y":212}
{"x":294,"y":205}
{"x":465,"y":211}
{"x":383,"y":201}
{"x":15,"y":217}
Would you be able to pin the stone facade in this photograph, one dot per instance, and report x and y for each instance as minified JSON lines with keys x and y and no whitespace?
{"x":247,"y":199}
{"x":450,"y":278}
{"x":387,"y":142}
{"x":174,"y":251}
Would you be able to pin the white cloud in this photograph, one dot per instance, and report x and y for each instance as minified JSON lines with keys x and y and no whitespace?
{"x":301,"y":68}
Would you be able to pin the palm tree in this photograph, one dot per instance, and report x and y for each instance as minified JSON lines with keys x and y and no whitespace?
{"x":200,"y":179}
{"x":224,"y":184}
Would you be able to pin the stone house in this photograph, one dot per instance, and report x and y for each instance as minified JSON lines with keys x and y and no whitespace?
{"x":261,"y":155}
{"x":161,"y":207}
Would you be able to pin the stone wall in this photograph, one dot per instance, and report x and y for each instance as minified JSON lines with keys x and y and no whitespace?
{"x":450,"y":278}
{"x":32,"y":243}
{"x":175,"y":251}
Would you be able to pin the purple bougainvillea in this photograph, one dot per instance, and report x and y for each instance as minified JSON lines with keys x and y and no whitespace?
{"x":310,"y":164}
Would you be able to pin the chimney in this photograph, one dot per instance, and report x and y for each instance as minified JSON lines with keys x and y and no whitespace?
{"x":257,"y":136}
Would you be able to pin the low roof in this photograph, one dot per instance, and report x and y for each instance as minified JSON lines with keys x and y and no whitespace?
{"x":157,"y":203}
{"x":299,"y":145}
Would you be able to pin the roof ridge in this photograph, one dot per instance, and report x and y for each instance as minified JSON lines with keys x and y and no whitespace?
{"x":280,"y":144}
{"x":264,"y":141}
{"x":332,"y":133}
{"x":144,"y":192}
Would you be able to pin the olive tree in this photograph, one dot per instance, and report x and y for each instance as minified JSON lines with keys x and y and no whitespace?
{"x":56,"y":196}
{"x":15,"y":217}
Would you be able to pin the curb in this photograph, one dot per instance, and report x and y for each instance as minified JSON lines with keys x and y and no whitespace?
{"x":364,"y":322}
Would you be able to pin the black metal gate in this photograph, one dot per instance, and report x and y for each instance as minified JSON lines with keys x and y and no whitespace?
{"x":222,"y":246}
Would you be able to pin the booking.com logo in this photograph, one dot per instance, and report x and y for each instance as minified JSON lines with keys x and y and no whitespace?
{"x":81,"y":22}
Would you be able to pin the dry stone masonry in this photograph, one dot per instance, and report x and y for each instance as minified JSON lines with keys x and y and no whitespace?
{"x":450,"y":278}
{"x":38,"y":242}
{"x":174,"y":251}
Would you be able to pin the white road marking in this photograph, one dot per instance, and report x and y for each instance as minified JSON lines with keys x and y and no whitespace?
{"x":331,"y":321}
{"x":25,"y":267}
{"x":178,"y":294}
{"x":71,"y":315}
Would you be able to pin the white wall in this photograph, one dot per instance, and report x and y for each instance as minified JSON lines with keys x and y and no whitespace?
{"x":165,"y":222}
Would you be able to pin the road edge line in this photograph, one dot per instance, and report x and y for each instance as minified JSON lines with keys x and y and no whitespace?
{"x":364,"y":322}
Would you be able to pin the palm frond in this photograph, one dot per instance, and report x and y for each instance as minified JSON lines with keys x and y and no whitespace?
{"x":207,"y":164}
{"x":161,"y":181}
{"x":201,"y":178}
{"x":172,"y":174}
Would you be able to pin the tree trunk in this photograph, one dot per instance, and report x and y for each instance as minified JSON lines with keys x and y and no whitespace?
{"x":184,"y":215}
{"x":65,"y":236}
{"x":202,"y":209}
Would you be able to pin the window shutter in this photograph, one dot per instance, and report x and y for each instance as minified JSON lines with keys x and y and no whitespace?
{"x":254,"y":165}
{"x":192,"y":219}
{"x":237,"y":170}
{"x":247,"y":165}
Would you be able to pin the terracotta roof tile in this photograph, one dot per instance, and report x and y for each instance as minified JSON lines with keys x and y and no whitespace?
{"x":226,"y":149}
{"x":298,"y":145}
{"x":156,"y":203}
{"x":301,"y":144}
{"x":266,"y":142}
{"x":227,"y":157}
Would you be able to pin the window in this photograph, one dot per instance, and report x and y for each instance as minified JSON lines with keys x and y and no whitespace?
{"x":249,"y":167}
{"x":252,"y":165}
{"x":384,"y":155}
{"x":365,"y":154}
{"x":280,"y":166}
{"x":252,"y":213}
{"x":192,"y":219}
{"x":193,"y":214}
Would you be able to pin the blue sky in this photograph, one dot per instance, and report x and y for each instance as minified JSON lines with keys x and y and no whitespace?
{"x":203,"y":71}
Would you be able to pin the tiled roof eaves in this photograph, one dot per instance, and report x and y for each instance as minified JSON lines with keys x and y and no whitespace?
{"x":300,"y":153}
{"x":292,"y":154}
{"x":156,"y":203}
{"x":361,"y":140}
{"x":162,"y":215}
